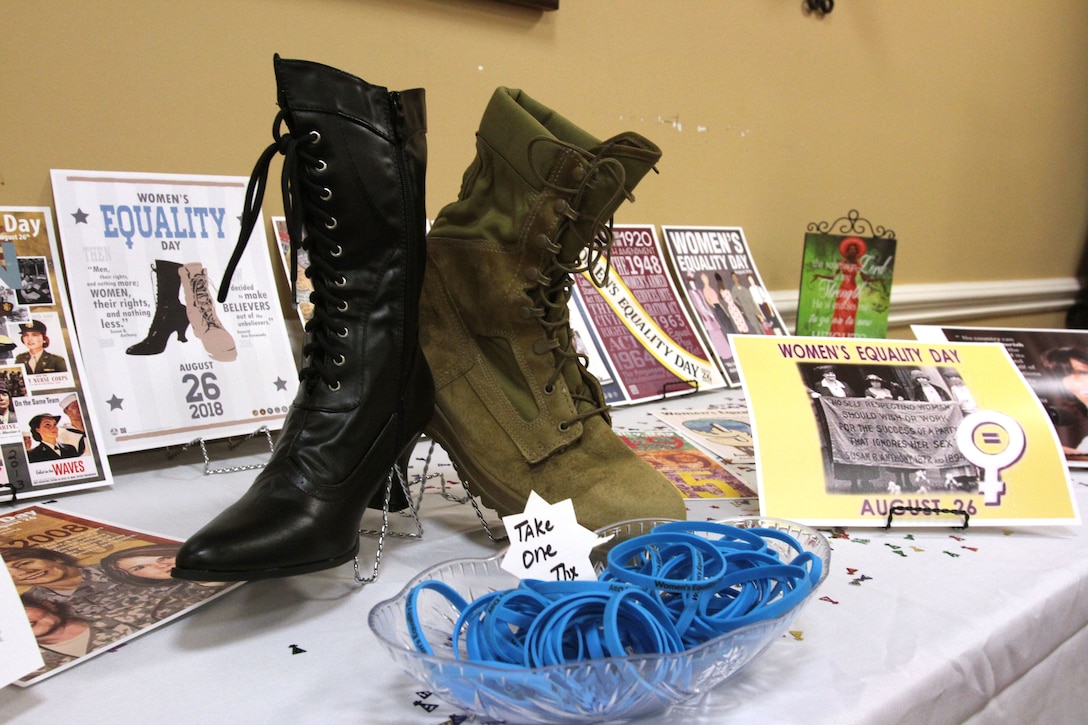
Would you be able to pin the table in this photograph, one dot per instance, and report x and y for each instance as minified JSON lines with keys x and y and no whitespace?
{"x":911,"y":626}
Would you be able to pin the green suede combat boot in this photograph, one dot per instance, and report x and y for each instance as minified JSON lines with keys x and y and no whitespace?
{"x":516,"y":408}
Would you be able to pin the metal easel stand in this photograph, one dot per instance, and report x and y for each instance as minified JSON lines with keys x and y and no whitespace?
{"x":900,"y":510}
{"x":690,"y":387}
{"x":853,"y":224}
{"x":397,"y":477}
{"x":469,"y":498}
{"x":208,"y":470}
{"x":413,"y":508}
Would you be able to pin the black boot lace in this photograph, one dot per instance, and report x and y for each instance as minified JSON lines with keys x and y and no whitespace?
{"x":591,"y":235}
{"x":303,"y":193}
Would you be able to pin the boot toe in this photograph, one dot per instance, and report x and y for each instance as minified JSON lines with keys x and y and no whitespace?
{"x":215,"y":554}
{"x":626,"y":498}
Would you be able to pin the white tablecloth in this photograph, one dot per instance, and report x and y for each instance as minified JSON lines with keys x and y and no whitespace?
{"x":912,"y":625}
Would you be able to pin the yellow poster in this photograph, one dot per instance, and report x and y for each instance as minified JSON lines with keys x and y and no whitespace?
{"x":850,"y":431}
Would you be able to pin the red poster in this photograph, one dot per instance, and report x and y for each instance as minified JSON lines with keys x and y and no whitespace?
{"x":643,"y":328}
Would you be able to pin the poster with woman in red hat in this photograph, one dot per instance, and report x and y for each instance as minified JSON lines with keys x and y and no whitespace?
{"x":846,"y":284}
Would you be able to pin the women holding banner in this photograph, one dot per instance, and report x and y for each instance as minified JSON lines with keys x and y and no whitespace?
{"x":878,"y":389}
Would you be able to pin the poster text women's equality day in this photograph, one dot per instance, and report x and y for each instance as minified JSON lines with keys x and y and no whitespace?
{"x":168,"y":361}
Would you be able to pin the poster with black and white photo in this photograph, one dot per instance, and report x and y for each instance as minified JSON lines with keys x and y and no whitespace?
{"x":169,"y":362}
{"x":50,"y":441}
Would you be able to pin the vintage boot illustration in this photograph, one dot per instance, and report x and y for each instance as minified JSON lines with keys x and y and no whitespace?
{"x":353,"y":175}
{"x":169,"y":317}
{"x":200,"y":310}
{"x":516,"y":407}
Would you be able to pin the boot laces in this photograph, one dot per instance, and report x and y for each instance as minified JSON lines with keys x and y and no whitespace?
{"x":202,"y":299}
{"x":553,"y":293}
{"x":302,"y":194}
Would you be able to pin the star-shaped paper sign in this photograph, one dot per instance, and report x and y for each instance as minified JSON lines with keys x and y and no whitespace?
{"x":548,"y":543}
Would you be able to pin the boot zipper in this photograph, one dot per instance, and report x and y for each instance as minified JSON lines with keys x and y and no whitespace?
{"x":409,"y":215}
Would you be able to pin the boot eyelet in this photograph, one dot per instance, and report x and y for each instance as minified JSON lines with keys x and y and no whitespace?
{"x":343,"y":306}
{"x":326,"y":194}
{"x":561,"y":206}
{"x":321,"y":166}
{"x":315,"y":137}
{"x":335,"y":386}
{"x":331,"y":223}
{"x":342,"y":333}
{"x":563,"y":427}
{"x":338,"y":252}
{"x":339,"y":360}
{"x":549,"y":389}
{"x":340,"y":281}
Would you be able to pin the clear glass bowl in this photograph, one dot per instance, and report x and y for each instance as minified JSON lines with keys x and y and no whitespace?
{"x":605,"y":689}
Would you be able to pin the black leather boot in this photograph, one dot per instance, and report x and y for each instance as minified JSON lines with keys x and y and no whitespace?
{"x":170,"y":317}
{"x":353,"y":177}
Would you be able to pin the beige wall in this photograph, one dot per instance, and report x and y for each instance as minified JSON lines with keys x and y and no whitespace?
{"x":960,"y":124}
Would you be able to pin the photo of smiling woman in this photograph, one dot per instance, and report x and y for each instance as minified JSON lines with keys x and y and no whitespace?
{"x":1070,"y":413}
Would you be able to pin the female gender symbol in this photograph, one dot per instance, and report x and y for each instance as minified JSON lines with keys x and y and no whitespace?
{"x":992,"y":441}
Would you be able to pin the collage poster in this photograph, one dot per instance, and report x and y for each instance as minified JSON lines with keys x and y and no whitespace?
{"x":1055,"y":364}
{"x":846,"y":286}
{"x":650,"y":344}
{"x":723,"y":431}
{"x":87,"y":586}
{"x":171,"y":357}
{"x":589,"y":344}
{"x":50,"y":438}
{"x":719,"y":279}
{"x":850,"y":431}
{"x":302,"y":286}
{"x":712,"y":491}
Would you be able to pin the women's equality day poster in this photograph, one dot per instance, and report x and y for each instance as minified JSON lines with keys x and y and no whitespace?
{"x":169,"y":362}
{"x":848,"y":431}
{"x":628,"y":318}
{"x":50,"y":441}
